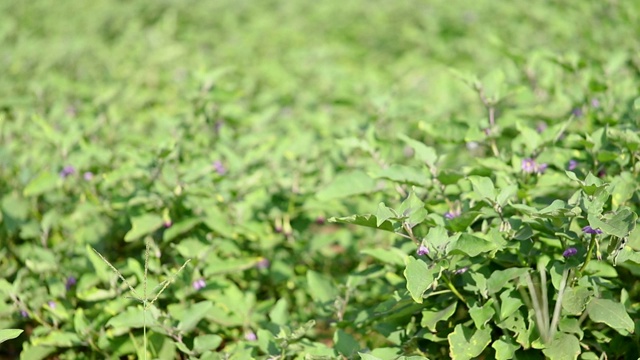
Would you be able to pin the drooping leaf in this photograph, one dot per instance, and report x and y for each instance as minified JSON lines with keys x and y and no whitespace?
{"x":467,"y":344}
{"x":611,"y":313}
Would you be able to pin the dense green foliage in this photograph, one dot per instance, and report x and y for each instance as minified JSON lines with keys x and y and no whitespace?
{"x":488,"y":150}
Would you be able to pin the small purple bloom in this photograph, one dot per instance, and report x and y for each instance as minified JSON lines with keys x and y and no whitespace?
{"x":595,"y":103}
{"x":199,"y":284}
{"x":577,"y":112}
{"x":572,"y":165}
{"x":570,"y":252}
{"x":602,"y":173}
{"x":461,"y":270}
{"x":52,"y":304}
{"x":71,"y":281}
{"x":67,"y":171}
{"x":541,"y":168}
{"x":542,"y":126}
{"x":528,"y":165}
{"x":320,"y":220}
{"x":250,"y":336}
{"x":219,"y":168}
{"x":88,"y":176}
{"x":263,"y":263}
{"x":452,"y":214}
{"x":24,"y":313}
{"x":167,"y":224}
{"x":218,"y":125}
{"x":589,"y":230}
{"x":422,"y":250}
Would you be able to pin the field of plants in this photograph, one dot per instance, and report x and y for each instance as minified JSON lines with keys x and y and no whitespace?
{"x":357,"y":179}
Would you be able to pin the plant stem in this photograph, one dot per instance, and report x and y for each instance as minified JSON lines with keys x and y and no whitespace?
{"x":542,"y":327}
{"x":453,"y":289}
{"x":592,"y":245}
{"x":543,"y":290}
{"x":558,"y":307}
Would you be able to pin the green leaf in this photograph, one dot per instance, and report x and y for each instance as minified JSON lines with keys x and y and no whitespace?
{"x":143,"y":225}
{"x":8,"y":334}
{"x":505,"y":348}
{"x":611,"y":313}
{"x":467,"y":244}
{"x":383,"y":214}
{"x":423,"y":152}
{"x":345,"y":343}
{"x":463,"y":221}
{"x":204,"y":343}
{"x":419,"y":277}
{"x":279,"y":313}
{"x":501,"y":278}
{"x":465,"y":344}
{"x":217,"y":221}
{"x":193,"y":315}
{"x":620,"y":225}
{"x":403,"y":174}
{"x":575,"y":299}
{"x":484,"y":187}
{"x":509,"y":303}
{"x":563,"y":346}
{"x":431,"y":318}
{"x":180,"y":228}
{"x":364,"y":220}
{"x":482,"y":314}
{"x":41,"y":184}
{"x":390,"y":256}
{"x":321,"y":287}
{"x":102,"y":270}
{"x":347,"y":184}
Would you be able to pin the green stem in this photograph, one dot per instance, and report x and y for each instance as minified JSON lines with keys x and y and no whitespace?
{"x":453,"y":289}
{"x":542,"y":327}
{"x":592,"y":245}
{"x":558,"y":308}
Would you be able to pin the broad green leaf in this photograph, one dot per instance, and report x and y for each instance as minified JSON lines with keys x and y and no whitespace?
{"x":133,"y":317}
{"x":204,"y":343}
{"x":484,"y":187}
{"x":506,"y":194}
{"x":423,"y":152}
{"x":44,"y":182}
{"x":509,"y":303}
{"x":365,"y":356}
{"x":419,"y":277}
{"x":463,"y":221}
{"x":563,"y":346}
{"x":101,"y":268}
{"x":505,"y":348}
{"x":180,"y":228}
{"x":345,"y":343}
{"x":620,"y":225}
{"x":217,"y":221}
{"x":575,"y":299}
{"x":501,"y":278}
{"x":388,"y":256}
{"x":8,"y":334}
{"x":38,"y":352}
{"x":611,"y":313}
{"x":364,"y":220}
{"x":348,"y":184}
{"x":403,"y":174}
{"x":466,"y":344}
{"x":431,"y":318}
{"x":279,"y":313}
{"x":383,"y":214}
{"x":470,"y":245}
{"x":321,"y":287}
{"x":193,"y":315}
{"x":143,"y":225}
{"x":482,"y":314}
{"x":59,"y":339}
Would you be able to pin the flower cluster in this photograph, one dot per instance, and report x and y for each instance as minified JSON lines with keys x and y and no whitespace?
{"x":423,"y":250}
{"x":589,"y":230}
{"x":570,"y":252}
{"x":199,"y":284}
{"x":530,"y":166}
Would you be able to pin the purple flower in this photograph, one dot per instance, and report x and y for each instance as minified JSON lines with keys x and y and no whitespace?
{"x":250,"y":336}
{"x":320,"y":220}
{"x":88,"y":176}
{"x":589,"y":230}
{"x":452,"y":214}
{"x":52,"y":304}
{"x":570,"y":252}
{"x":528,"y":165}
{"x":219,"y":168}
{"x":67,"y":171}
{"x":422,"y":250}
{"x":577,"y":112}
{"x":595,"y":103}
{"x":71,"y":281}
{"x":263,"y":263}
{"x":542,"y":126}
{"x":199,"y":284}
{"x":461,"y":270}
{"x":167,"y":224}
{"x":572,"y":165}
{"x":24,"y":313}
{"x":602,"y":173}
